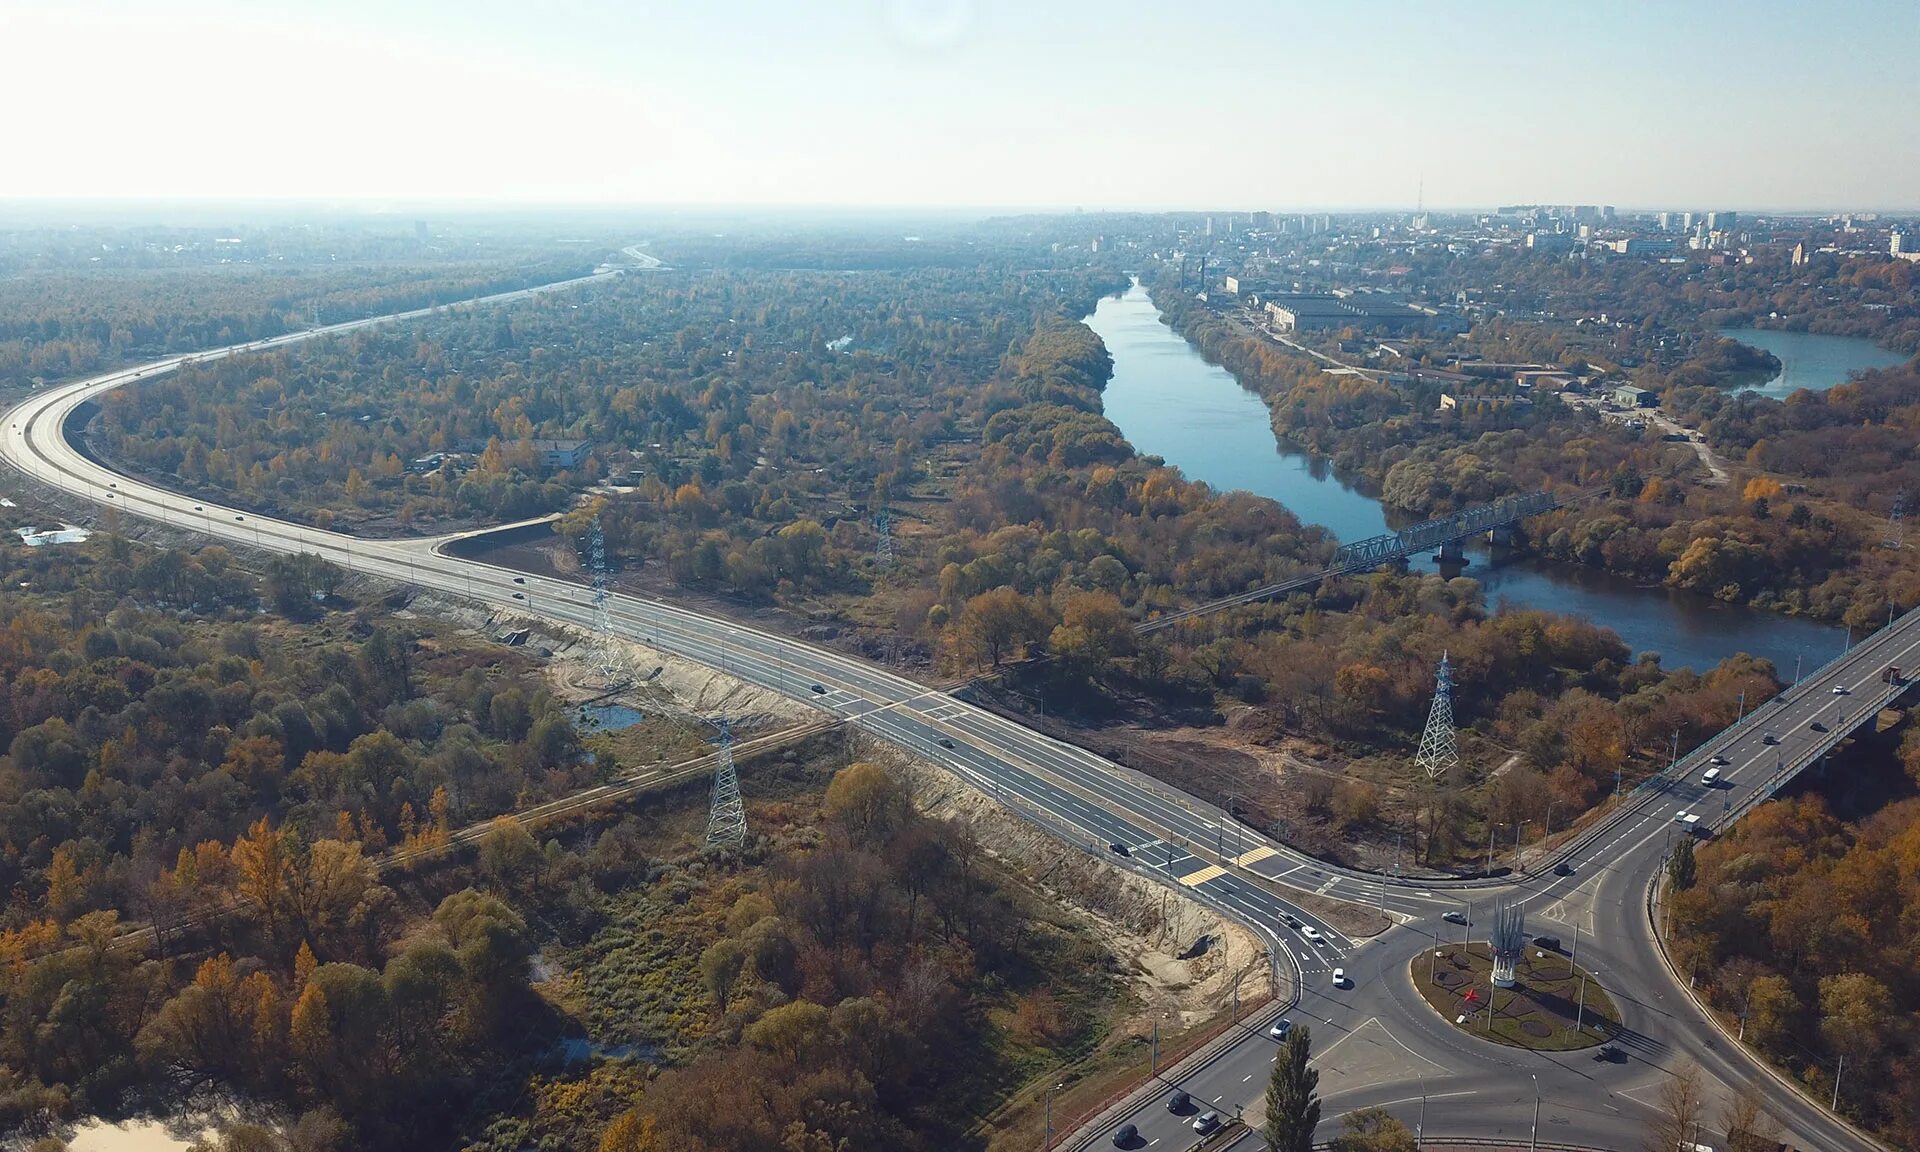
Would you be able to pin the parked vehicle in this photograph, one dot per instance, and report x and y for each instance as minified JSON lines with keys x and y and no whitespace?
{"x":1550,"y":943}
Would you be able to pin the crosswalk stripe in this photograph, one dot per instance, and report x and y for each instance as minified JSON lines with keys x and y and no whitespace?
{"x":1195,"y":879}
{"x":1254,"y":856}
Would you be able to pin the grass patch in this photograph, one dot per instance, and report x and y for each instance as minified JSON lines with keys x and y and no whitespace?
{"x":1537,"y":1013}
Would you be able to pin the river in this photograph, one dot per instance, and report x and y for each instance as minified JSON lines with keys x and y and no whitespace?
{"x":1171,"y":403}
{"x":1811,"y":361}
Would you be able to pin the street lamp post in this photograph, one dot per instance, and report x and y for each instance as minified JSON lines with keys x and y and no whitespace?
{"x":1420,"y":1125}
{"x":1533,"y":1140}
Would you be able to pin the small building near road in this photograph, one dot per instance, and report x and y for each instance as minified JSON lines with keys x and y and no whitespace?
{"x":1628,"y":396}
{"x":561,"y":455}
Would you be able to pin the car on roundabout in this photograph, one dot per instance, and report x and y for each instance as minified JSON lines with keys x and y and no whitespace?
{"x":1452,"y":917}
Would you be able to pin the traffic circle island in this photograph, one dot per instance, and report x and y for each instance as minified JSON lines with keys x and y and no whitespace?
{"x":1552,"y":1006}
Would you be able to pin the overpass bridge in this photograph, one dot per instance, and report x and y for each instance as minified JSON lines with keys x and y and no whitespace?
{"x":1766,"y":749}
{"x":1443,"y":534}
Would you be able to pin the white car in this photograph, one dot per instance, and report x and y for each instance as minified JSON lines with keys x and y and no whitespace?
{"x":1339,"y":977}
{"x":1280,"y":1028}
{"x":1312,"y":934}
{"x":1842,"y":690}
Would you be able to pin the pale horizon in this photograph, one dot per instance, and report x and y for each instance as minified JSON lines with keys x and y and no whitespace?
{"x":963,"y":106}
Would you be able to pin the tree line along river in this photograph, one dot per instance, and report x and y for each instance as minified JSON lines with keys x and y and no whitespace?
{"x":1171,"y":403}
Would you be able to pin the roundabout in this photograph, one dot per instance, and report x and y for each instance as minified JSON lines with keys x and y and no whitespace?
{"x":1553,"y":1005}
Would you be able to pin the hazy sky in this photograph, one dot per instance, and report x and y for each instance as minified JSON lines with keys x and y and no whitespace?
{"x":1038,"y":103}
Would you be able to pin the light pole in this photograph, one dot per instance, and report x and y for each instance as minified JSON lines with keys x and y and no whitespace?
{"x":1420,"y":1125}
{"x":1491,"y":825}
{"x":1047,"y":1140}
{"x":1533,"y":1140}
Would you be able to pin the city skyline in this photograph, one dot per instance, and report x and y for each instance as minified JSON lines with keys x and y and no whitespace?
{"x":957,"y":105}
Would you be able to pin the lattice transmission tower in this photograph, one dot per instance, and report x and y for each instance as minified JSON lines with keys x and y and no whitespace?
{"x":607,"y":650}
{"x":726,"y":814}
{"x":883,"y":540}
{"x":1896,"y":536}
{"x":1439,"y":748}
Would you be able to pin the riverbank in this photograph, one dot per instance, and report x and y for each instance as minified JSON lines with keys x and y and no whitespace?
{"x":1170,"y":401}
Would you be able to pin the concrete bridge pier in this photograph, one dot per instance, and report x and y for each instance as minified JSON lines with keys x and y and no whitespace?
{"x":1451,"y":553}
{"x":1501,"y":537}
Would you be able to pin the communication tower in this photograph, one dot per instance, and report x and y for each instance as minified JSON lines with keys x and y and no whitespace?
{"x":726,"y":814}
{"x":1439,"y":748}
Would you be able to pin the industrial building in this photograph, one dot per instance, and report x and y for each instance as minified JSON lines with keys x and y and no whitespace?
{"x":1308,"y":311}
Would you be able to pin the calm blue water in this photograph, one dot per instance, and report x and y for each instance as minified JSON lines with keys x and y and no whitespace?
{"x":608,"y":717}
{"x":1171,"y":403}
{"x":1813,"y":362}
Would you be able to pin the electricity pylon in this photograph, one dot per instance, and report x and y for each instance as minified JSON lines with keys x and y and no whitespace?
{"x":1896,"y":536}
{"x":883,"y":543}
{"x":1439,"y":749}
{"x":607,"y":650}
{"x":726,"y":814}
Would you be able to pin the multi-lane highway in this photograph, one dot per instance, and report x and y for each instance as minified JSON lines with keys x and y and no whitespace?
{"x":1379,"y":1042}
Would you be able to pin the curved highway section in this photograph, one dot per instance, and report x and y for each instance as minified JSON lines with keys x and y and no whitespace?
{"x":1378,"y":1043}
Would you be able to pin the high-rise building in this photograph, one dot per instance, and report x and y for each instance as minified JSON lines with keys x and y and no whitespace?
{"x":1686,"y":221}
{"x":1721,"y":221}
{"x":1897,"y":245}
{"x":1665,"y":221}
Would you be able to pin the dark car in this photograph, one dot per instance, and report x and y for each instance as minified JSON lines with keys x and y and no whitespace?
{"x":1179,"y":1101}
{"x":519,"y":579}
{"x":1769,"y":738}
{"x":1550,"y":943}
{"x":820,"y":689}
{"x":1292,"y":920}
{"x":1125,"y":1135}
{"x":1817,"y":726}
{"x":1610,"y":1054}
{"x":945,"y":743}
{"x":1563,"y":869}
{"x":518,"y":596}
{"x":1119,"y":849}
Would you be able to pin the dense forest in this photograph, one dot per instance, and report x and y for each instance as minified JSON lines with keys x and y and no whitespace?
{"x":87,"y":297}
{"x":231,"y":784}
{"x":1802,"y":922}
{"x":754,"y":422}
